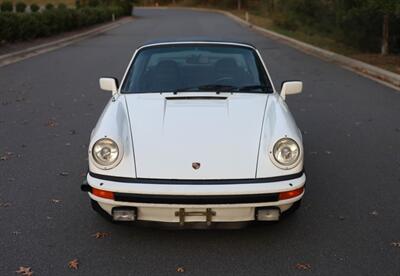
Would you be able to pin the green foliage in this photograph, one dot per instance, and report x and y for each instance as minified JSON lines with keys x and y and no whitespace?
{"x":356,"y":23}
{"x":6,"y":6}
{"x":34,"y":8}
{"x":20,"y":7}
{"x":93,"y":3}
{"x":62,"y":6}
{"x":49,"y":6}
{"x":25,"y":26}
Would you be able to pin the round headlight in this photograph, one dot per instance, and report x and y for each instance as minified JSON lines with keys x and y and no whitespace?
{"x":286,"y":152}
{"x":105,"y":152}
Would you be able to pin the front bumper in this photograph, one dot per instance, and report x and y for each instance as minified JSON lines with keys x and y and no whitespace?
{"x":229,"y":202}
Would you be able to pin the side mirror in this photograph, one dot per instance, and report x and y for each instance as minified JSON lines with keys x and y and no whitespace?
{"x":291,"y":88}
{"x":109,"y":84}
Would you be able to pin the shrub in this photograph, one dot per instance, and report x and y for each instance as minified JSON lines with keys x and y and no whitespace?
{"x":20,"y":7}
{"x":24,"y":26}
{"x":93,"y":3}
{"x":6,"y":6}
{"x":35,"y":8}
{"x":49,"y":6}
{"x":62,"y":6}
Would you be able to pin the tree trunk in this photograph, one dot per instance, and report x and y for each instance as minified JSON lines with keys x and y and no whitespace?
{"x":239,"y":4}
{"x":385,"y":36}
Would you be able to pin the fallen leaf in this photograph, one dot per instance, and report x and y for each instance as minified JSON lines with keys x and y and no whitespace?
{"x":100,"y":235}
{"x":303,"y":266}
{"x":180,"y":269}
{"x":51,"y":123}
{"x":5,"y":205}
{"x":74,"y":264}
{"x":6,"y":156}
{"x":395,"y":244}
{"x":56,"y":200}
{"x":26,"y":271}
{"x":64,"y":173}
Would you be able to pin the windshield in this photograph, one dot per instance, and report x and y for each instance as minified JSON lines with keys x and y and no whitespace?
{"x":186,"y":68}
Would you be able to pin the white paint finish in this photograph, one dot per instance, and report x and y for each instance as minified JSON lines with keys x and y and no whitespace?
{"x":278,"y":123}
{"x":199,"y":189}
{"x":166,"y":213}
{"x":109,"y":84}
{"x":291,"y":88}
{"x":231,"y":138}
{"x":114,"y":124}
{"x":222,"y":135}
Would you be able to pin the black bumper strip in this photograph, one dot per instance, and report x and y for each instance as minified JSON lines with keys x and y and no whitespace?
{"x":196,"y":181}
{"x":202,"y":199}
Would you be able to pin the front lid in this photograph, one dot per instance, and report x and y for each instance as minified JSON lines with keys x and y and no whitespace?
{"x":196,"y":135}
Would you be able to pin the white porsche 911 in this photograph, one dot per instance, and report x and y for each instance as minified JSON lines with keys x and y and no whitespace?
{"x":196,"y":135}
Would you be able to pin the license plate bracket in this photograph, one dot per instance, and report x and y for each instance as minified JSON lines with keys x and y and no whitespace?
{"x":182,"y":214}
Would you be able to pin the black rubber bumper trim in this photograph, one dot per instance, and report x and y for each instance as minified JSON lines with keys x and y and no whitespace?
{"x":196,"y":181}
{"x":198,"y":199}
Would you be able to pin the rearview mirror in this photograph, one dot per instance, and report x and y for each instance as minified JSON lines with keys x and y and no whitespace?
{"x":109,"y":84}
{"x":291,"y":88}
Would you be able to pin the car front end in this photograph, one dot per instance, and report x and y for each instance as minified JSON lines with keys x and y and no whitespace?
{"x":196,"y":157}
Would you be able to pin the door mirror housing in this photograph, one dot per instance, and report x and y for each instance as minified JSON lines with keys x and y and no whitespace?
{"x":291,"y":88}
{"x":109,"y":84}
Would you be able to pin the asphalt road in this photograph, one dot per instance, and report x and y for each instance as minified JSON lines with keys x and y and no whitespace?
{"x":49,"y":104}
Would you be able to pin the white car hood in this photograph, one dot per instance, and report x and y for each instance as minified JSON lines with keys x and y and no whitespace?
{"x":170,"y":133}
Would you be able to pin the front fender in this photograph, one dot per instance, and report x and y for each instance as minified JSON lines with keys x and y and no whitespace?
{"x":278,"y":123}
{"x":114,"y":124}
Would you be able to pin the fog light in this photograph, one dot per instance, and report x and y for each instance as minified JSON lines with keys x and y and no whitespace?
{"x":124,"y":213}
{"x":268,"y":214}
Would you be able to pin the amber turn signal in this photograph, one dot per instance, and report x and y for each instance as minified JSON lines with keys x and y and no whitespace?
{"x":291,"y":194}
{"x":102,"y":193}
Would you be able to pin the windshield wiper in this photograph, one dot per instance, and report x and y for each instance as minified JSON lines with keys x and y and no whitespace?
{"x":251,"y":88}
{"x":224,"y":88}
{"x":208,"y":88}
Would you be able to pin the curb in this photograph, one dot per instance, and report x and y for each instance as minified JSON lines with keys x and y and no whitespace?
{"x":367,"y":70}
{"x":360,"y":67}
{"x":17,"y":56}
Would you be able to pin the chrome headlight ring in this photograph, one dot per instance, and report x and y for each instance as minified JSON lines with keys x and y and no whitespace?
{"x":105,"y":153}
{"x":286,"y":153}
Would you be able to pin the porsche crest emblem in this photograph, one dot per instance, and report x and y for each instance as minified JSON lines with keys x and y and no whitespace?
{"x":196,"y":165}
